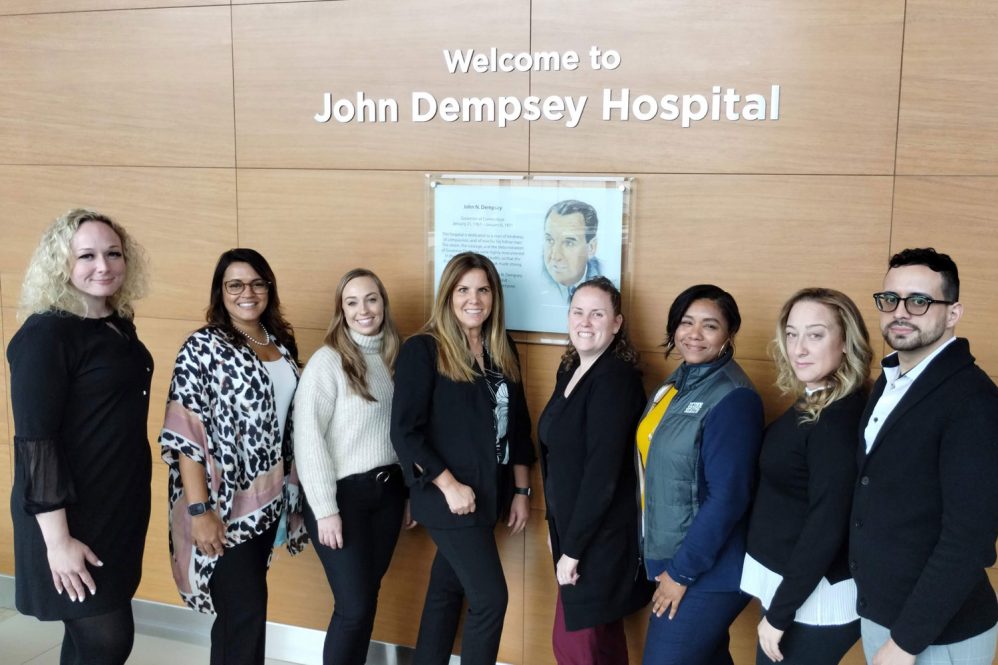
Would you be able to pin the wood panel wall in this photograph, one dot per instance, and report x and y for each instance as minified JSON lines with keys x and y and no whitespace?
{"x":191,"y":123}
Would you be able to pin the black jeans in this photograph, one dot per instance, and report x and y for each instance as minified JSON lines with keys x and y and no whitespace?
{"x":813,"y":645}
{"x":371,"y":506}
{"x":239,"y":592}
{"x":467,"y":564}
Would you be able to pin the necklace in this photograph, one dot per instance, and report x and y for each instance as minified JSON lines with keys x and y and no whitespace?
{"x":266,"y":336}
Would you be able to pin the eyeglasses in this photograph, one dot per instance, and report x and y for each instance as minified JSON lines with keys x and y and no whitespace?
{"x":235,"y":286}
{"x":916,"y":305}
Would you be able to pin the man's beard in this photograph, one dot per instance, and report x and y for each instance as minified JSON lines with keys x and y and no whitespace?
{"x":916,"y":339}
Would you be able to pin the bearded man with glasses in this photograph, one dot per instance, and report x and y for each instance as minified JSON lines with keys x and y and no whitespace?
{"x":925,"y":507}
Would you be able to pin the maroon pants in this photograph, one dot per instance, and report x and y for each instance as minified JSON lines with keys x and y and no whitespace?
{"x":604,"y":644}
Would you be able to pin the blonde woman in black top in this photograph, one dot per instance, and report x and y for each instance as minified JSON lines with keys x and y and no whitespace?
{"x":796,"y":558}
{"x":79,"y":379}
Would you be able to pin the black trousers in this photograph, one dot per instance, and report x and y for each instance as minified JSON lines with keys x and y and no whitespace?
{"x":239,"y":591}
{"x":813,"y":645}
{"x":466,"y":565}
{"x":371,"y":506}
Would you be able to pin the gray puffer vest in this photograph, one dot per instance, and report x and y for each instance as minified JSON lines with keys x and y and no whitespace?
{"x":672,"y":475}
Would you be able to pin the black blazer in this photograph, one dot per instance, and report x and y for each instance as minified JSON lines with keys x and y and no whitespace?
{"x":590,"y":485}
{"x":925,"y":507}
{"x":442,"y":424}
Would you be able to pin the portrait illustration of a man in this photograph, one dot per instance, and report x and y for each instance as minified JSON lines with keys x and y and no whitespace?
{"x":570,"y":246}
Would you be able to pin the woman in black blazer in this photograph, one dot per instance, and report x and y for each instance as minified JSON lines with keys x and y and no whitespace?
{"x":587,"y":437}
{"x":796,"y":559}
{"x":460,"y":426}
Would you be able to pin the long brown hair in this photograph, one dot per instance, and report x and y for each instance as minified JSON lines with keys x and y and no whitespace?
{"x":272,"y":318}
{"x":454,"y":357}
{"x":338,"y":336}
{"x":852,"y":374}
{"x":621,"y":345}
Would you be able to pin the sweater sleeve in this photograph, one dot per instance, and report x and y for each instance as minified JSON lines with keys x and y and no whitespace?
{"x":732,"y":434}
{"x":412,"y":402}
{"x":968,"y":463}
{"x":315,"y":402}
{"x":831,"y":468}
{"x":608,"y":435}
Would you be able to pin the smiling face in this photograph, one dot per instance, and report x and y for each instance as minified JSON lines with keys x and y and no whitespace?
{"x":566,"y":250}
{"x":591,"y":322}
{"x":363,"y":307}
{"x":702,"y":332}
{"x":96,"y":265}
{"x":815,"y":343}
{"x":246,"y":307}
{"x":471,"y":300}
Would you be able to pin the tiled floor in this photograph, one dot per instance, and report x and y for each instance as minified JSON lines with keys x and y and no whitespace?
{"x":27,"y":641}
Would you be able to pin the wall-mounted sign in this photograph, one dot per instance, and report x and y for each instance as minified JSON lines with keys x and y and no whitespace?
{"x":546,"y":235}
{"x":622,"y":104}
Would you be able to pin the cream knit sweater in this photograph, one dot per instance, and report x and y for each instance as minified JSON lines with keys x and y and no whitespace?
{"x":338,"y":433}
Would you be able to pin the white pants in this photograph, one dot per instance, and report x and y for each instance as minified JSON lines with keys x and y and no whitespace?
{"x":976,"y":650}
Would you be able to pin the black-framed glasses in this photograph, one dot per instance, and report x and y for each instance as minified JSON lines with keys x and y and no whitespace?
{"x":236,"y":286}
{"x":916,"y":305}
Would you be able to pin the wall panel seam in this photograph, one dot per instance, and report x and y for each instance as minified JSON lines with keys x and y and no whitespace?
{"x":104,"y":10}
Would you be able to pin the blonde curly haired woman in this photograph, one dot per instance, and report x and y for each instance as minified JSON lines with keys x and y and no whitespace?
{"x":80,"y":395}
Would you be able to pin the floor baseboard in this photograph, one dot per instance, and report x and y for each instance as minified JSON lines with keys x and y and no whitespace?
{"x":284,"y":642}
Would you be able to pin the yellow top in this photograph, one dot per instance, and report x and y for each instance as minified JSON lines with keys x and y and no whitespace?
{"x":647,"y":427}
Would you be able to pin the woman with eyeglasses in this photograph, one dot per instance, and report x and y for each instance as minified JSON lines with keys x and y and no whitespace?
{"x":796,"y":563}
{"x":227,"y":441}
{"x":354,"y":492}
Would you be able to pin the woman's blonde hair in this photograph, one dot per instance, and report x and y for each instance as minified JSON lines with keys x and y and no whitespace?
{"x":852,"y":374}
{"x":47,"y":286}
{"x":338,"y":336}
{"x":454,"y":357}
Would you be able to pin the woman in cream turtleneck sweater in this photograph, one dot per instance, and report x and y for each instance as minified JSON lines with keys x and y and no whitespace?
{"x":353,"y":484}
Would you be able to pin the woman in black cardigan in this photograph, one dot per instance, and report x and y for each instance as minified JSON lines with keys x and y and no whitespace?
{"x":587,"y":438}
{"x":462,"y":433}
{"x":796,"y":558}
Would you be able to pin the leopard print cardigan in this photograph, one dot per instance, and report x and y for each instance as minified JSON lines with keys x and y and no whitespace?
{"x":220,"y":412}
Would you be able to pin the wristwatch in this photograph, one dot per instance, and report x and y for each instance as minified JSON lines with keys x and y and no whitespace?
{"x":195,"y":509}
{"x":525,"y":491}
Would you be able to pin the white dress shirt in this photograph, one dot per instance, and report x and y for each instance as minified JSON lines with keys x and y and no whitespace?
{"x":894,"y":391}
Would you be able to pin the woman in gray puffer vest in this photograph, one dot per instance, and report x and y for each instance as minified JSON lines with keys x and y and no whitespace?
{"x":698,"y":443}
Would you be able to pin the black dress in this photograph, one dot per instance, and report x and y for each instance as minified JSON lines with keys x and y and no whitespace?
{"x":80,"y":396}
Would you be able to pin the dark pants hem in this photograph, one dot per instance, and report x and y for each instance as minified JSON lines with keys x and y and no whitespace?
{"x":466,"y":565}
{"x":371,"y":511}
{"x":239,"y":592}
